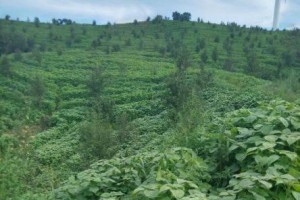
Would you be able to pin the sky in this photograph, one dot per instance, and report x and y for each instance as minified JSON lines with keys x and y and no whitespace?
{"x":243,"y":12}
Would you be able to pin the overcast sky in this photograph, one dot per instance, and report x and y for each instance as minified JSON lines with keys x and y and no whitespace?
{"x":249,"y":12}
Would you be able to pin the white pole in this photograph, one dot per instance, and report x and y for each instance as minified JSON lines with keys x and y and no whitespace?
{"x":276,"y":15}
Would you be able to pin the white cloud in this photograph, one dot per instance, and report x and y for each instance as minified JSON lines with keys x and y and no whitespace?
{"x":103,"y":11}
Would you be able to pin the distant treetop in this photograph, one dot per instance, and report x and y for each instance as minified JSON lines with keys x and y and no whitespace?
{"x":181,"y":17}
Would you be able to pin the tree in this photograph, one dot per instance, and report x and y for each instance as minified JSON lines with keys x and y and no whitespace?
{"x":228,"y":46}
{"x":37,"y":90}
{"x":181,"y":17}
{"x":7,"y":17}
{"x":228,"y":63}
{"x":157,"y":19}
{"x":36,"y":22}
{"x":97,"y":140}
{"x":217,"y":39}
{"x":176,"y":15}
{"x":5,"y":67}
{"x":204,"y":57}
{"x":215,"y":54}
{"x":252,"y":62}
{"x":17,"y":55}
{"x":186,"y":16}
{"x":36,"y":54}
{"x":200,"y":44}
{"x":183,"y":60}
{"x":287,"y":58}
{"x":96,"y":82}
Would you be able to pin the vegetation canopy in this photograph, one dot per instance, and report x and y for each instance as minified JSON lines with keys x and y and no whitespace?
{"x":155,"y":109}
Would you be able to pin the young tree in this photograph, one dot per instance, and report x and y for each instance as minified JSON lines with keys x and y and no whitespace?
{"x":5,"y":67}
{"x":287,"y":58}
{"x":204,"y":57}
{"x":36,"y":22}
{"x":217,"y":39}
{"x":18,"y":55}
{"x":37,"y":90}
{"x":252,"y":63}
{"x":7,"y":17}
{"x":183,"y":60}
{"x":96,"y":82}
{"x":228,"y":63}
{"x":36,"y":54}
{"x":158,"y":19}
{"x":215,"y":54}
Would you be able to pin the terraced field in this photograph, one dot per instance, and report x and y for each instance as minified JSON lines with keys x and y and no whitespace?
{"x":162,"y":110}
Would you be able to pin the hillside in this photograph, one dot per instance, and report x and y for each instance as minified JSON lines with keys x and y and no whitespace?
{"x":150,"y":110}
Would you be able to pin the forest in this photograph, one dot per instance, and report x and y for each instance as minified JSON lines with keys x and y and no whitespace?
{"x":168,"y":109}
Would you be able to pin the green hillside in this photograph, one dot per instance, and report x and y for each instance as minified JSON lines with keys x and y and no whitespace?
{"x":158,"y":109}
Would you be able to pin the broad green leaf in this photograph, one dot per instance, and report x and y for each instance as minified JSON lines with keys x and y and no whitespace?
{"x":240,"y":156}
{"x":254,"y":139}
{"x":266,"y":184}
{"x":94,"y":189}
{"x":295,"y":123}
{"x":271,"y":138}
{"x":233,"y":147}
{"x":296,"y":195}
{"x":291,"y":139}
{"x":287,"y":176}
{"x":244,"y":132}
{"x":251,"y":149}
{"x":272,"y":171}
{"x":267,"y":145}
{"x":250,"y":119}
{"x":177,"y":193}
{"x":245,"y":184}
{"x":263,"y":160}
{"x":289,"y":154}
{"x":152,"y":194}
{"x":257,"y":196}
{"x":165,"y":188}
{"x":189,"y":183}
{"x":284,"y":122}
{"x":266,"y":129}
{"x":296,"y":187}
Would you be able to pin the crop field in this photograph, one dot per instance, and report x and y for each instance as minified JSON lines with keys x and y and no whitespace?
{"x":159,"y":109}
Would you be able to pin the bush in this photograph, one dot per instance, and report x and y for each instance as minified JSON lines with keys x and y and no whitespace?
{"x":97,"y":140}
{"x":5,"y":67}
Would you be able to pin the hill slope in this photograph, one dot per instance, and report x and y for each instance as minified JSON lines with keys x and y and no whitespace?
{"x":75,"y":94}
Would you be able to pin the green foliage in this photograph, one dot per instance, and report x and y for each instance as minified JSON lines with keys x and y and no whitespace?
{"x":154,"y":175}
{"x":263,"y":150}
{"x":152,"y":96}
